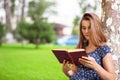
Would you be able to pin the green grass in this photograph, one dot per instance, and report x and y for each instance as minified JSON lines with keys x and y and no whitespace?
{"x":19,"y":62}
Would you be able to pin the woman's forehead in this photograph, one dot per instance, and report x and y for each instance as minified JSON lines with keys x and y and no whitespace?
{"x":86,"y":22}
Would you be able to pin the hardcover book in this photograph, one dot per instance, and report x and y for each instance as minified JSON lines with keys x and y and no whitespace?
{"x":69,"y":55}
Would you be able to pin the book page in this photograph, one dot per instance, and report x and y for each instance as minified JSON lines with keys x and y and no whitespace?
{"x":76,"y":50}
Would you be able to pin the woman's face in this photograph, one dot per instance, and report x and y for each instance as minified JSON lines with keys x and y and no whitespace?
{"x":86,"y":29}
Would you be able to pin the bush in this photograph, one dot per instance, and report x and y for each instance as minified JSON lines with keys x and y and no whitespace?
{"x":3,"y":31}
{"x":38,"y":32}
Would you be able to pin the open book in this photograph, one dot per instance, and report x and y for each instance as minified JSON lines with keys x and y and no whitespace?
{"x":69,"y":55}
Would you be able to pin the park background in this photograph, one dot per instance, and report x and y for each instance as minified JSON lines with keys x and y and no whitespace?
{"x":30,"y":29}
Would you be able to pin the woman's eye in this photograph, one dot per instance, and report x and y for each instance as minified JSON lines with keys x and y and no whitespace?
{"x":89,"y":27}
{"x":83,"y":28}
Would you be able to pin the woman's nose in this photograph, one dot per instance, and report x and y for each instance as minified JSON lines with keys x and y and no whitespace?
{"x":86,"y":30}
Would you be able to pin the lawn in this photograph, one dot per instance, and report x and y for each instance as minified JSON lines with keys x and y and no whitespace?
{"x":19,"y":62}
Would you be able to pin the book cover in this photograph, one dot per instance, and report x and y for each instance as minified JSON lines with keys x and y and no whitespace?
{"x":62,"y":55}
{"x":70,"y":55}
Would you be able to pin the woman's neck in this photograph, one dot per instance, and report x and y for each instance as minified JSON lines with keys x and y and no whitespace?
{"x":90,"y":44}
{"x":90,"y":48}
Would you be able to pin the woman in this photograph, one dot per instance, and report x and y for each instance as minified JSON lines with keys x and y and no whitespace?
{"x":99,"y":64}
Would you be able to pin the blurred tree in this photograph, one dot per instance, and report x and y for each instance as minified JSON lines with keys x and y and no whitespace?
{"x":85,"y":6}
{"x":111,"y":22}
{"x":23,"y":7}
{"x":8,"y":14}
{"x":34,"y":33}
{"x":75,"y":29}
{"x":38,"y":8}
{"x":3,"y":31}
{"x":12,"y":7}
{"x":40,"y":31}
{"x":23,"y":28}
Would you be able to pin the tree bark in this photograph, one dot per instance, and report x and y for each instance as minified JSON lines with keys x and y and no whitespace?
{"x":23,"y":6}
{"x":8,"y":14}
{"x":111,"y":21}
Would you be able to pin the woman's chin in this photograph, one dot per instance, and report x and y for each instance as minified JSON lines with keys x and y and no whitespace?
{"x":87,"y":37}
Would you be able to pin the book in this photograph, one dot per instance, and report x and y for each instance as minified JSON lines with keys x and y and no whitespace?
{"x":69,"y":55}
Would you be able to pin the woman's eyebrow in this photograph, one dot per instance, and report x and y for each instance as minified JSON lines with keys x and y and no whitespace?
{"x":83,"y":26}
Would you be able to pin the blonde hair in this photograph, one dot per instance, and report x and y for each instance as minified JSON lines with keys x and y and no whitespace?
{"x":98,"y":36}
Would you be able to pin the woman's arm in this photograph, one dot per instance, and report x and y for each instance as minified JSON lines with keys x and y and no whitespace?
{"x":108,"y":72}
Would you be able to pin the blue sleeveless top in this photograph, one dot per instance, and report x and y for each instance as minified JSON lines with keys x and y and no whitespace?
{"x":84,"y":73}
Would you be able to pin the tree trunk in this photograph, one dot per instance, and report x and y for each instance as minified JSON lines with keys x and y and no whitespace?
{"x":0,"y":42}
{"x":8,"y":14}
{"x":111,"y":22}
{"x":23,"y":6}
{"x":37,"y":42}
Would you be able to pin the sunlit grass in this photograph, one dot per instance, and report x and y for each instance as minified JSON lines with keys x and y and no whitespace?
{"x":19,"y":62}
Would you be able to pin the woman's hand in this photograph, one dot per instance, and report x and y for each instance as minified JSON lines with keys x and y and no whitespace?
{"x":74,"y":68}
{"x":88,"y":62}
{"x":66,"y":67}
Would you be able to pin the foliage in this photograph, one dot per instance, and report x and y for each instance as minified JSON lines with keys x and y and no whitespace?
{"x":12,"y":7}
{"x":23,"y":30}
{"x":38,"y":8}
{"x":3,"y":31}
{"x":43,"y":30}
{"x":38,"y":32}
{"x":85,"y":6}
{"x":75,"y":27}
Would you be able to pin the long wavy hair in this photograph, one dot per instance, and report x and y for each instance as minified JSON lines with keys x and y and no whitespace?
{"x":97,"y":33}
